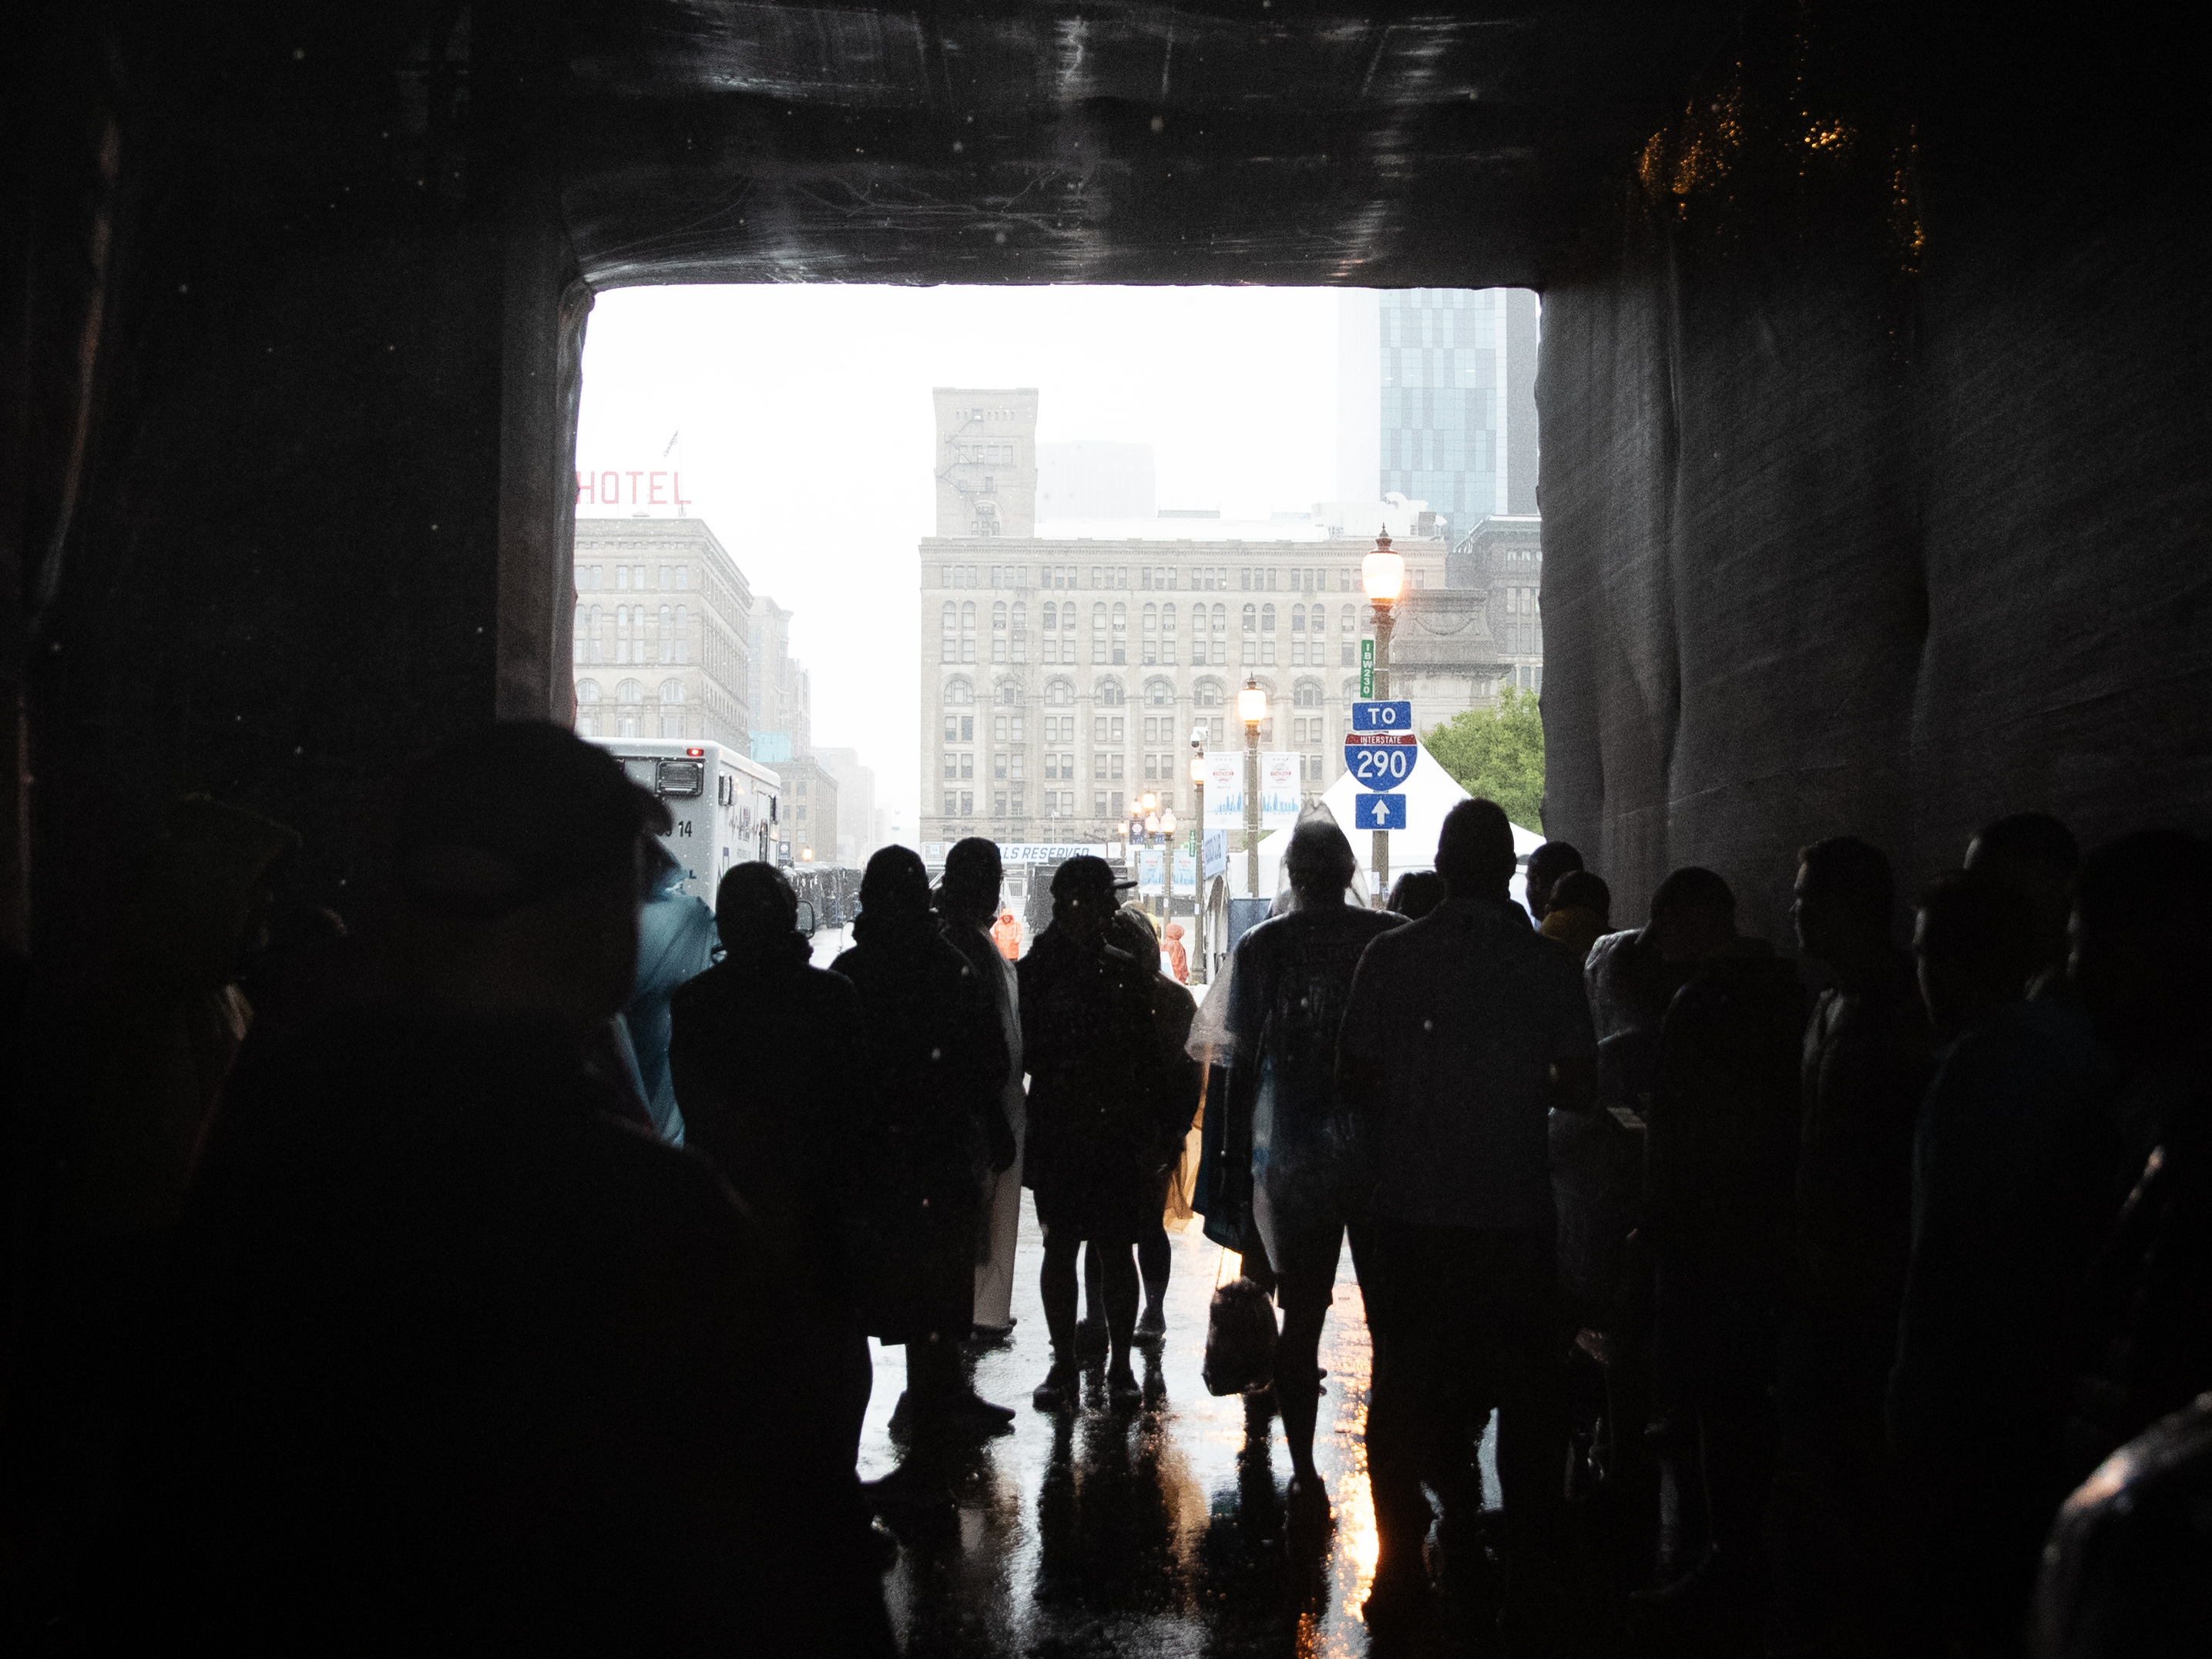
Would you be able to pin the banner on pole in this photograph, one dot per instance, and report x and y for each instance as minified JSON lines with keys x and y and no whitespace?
{"x":1367,"y":668}
{"x":1280,"y":789}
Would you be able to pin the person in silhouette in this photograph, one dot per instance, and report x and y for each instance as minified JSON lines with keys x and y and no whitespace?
{"x":2010,"y":1199}
{"x":967,"y":898}
{"x":2035,"y":855}
{"x":1721,"y":1150}
{"x":1546,"y":865}
{"x":1101,"y":1115}
{"x":934,"y":1129}
{"x":2141,"y":970}
{"x":1580,"y":912}
{"x":1464,"y":1029}
{"x":762,"y":1050}
{"x":457,"y":1358}
{"x":1312,"y":1164}
{"x":1415,"y":895}
{"x":1866,"y":1061}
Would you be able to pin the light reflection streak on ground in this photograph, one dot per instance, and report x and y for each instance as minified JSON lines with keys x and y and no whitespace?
{"x":1157,"y":1535}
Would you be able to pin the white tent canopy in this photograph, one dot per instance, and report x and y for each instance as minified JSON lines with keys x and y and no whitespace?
{"x":1429,"y":791}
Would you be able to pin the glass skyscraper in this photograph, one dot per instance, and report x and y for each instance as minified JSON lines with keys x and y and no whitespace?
{"x":1458,"y":366}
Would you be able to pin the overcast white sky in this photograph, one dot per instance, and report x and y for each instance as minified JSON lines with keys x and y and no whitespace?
{"x":806,"y":441}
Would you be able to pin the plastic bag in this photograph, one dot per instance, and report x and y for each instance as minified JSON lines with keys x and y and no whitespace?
{"x":1240,"y":1339}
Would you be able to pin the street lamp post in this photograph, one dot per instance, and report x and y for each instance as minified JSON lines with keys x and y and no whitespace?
{"x":1383,"y":574}
{"x":1252,"y":709}
{"x":1198,"y":847}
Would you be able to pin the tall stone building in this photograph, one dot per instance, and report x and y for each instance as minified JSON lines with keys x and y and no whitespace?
{"x":986,"y":462}
{"x":782,"y":695}
{"x":1062,"y":679}
{"x":1502,"y":558}
{"x":663,"y":629}
{"x":858,"y":834}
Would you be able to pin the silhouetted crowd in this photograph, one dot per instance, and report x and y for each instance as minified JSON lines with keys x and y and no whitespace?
{"x":500,"y":1270}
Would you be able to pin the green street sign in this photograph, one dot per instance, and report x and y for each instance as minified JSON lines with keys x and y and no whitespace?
{"x":1367,"y":668}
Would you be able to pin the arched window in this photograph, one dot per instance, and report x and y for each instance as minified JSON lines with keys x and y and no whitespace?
{"x":1059,"y":694}
{"x":629,"y":691}
{"x":587,"y":691}
{"x":1167,"y":618}
{"x":666,"y":616}
{"x":959,"y":691}
{"x":1306,"y":694}
{"x":1120,"y":632}
{"x":1251,"y":618}
{"x":1298,"y":619}
{"x":1266,"y":619}
{"x":1152,"y":619}
{"x":1159,"y":693}
{"x":1098,"y":631}
{"x":1208,"y":694}
{"x":1109,"y":694}
{"x":1007,"y":694}
{"x":999,"y":631}
{"x":950,"y":644}
{"x":1220,"y":637}
{"x":679,"y":616}
{"x":672,"y":691}
{"x":1051,"y":616}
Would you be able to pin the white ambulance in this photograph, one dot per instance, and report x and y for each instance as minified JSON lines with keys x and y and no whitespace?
{"x":724,"y":803}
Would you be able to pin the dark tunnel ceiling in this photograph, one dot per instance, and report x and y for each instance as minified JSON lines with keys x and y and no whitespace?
{"x":1138,"y":142}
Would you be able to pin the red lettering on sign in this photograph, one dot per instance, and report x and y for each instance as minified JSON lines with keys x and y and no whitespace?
{"x":653,"y":495}
{"x":676,"y":489}
{"x":632,"y":477}
{"x":609,"y":489}
{"x":584,"y":489}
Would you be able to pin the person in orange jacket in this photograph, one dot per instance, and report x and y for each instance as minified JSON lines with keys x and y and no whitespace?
{"x":1006,"y":934}
{"x":1178,"y":958}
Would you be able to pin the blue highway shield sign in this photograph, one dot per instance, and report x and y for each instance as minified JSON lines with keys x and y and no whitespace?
{"x":1382,"y":716}
{"x":1378,"y":811}
{"x":1380,"y":760}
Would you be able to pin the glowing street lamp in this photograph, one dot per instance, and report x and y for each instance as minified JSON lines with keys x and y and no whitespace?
{"x":1197,"y":734}
{"x":1383,"y":574}
{"x":1252,"y":709}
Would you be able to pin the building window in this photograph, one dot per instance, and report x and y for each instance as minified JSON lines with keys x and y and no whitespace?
{"x":950,"y":623}
{"x":1151,"y":634}
{"x":999,"y":631}
{"x":672,"y":691}
{"x":1018,"y":803}
{"x":960,"y":691}
{"x":1117,"y":803}
{"x":587,"y":691}
{"x":671,"y":726}
{"x":629,"y":691}
{"x":1120,"y":632}
{"x":1098,"y":632}
{"x":1059,"y":694}
{"x":1021,"y":629}
{"x":968,"y":631}
{"x":967,"y":805}
{"x":998,"y":804}
{"x":1098,"y":804}
{"x":1109,"y":694}
{"x":967,"y":766}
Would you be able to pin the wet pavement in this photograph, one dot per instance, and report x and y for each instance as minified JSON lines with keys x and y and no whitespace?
{"x":1158,"y":1531}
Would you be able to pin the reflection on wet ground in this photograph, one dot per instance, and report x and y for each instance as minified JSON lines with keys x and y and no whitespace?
{"x":1159,"y":1531}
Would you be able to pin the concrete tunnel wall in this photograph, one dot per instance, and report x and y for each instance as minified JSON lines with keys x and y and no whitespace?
{"x":1837,"y":537}
{"x":1875,"y":478}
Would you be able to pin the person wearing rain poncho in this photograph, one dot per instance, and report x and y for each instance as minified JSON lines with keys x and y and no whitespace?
{"x":675,"y":944}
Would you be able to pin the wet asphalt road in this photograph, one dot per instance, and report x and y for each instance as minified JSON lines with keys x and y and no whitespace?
{"x":1153,"y":1532}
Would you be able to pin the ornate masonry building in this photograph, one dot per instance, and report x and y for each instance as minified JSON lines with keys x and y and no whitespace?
{"x":663,"y":618}
{"x":1502,"y":557}
{"x":1062,"y":673}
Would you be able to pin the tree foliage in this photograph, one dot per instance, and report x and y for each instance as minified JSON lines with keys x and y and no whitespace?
{"x":1499,"y":754}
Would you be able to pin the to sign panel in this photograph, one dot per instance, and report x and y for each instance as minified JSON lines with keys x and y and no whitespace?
{"x":1378,"y":811}
{"x":1382,"y":716}
{"x":1380,"y":760}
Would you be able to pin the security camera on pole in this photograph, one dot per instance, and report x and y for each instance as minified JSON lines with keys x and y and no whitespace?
{"x":1382,"y":748}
